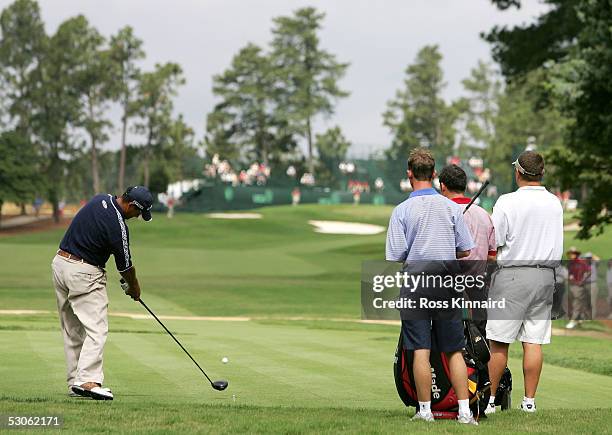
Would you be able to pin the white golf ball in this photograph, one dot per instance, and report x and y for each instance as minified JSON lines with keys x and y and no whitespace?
{"x":225,"y":360}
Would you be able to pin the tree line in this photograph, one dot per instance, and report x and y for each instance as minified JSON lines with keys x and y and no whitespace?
{"x":551,"y":88}
{"x":564,"y":60}
{"x":56,"y":94}
{"x":56,"y":90}
{"x":269,"y":97}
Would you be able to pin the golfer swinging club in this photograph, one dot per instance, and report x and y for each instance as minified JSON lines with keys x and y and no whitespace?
{"x":529,"y":235}
{"x":97,"y":231}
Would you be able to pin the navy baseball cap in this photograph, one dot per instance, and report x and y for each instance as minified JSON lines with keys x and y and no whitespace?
{"x":141,"y":198}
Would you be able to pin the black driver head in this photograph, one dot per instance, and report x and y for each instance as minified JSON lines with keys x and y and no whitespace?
{"x":219,"y":385}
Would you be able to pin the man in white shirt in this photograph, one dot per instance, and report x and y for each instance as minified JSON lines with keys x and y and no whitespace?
{"x":529,"y":236}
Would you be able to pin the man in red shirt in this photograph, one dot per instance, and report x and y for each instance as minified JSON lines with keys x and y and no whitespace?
{"x":453,"y":181}
{"x":579,"y":272}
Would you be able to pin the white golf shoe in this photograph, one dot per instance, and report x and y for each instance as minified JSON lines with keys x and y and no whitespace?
{"x":571,"y":325}
{"x":95,"y":391}
{"x":424,"y":417}
{"x":528,"y":407}
{"x":467,"y":419}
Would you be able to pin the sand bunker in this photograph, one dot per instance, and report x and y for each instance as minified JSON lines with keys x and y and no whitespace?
{"x":339,"y":227}
{"x":22,"y":312}
{"x":209,"y":318}
{"x":234,"y":215}
{"x":573,"y":226}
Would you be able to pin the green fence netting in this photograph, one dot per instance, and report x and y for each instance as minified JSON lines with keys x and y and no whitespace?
{"x":227,"y":197}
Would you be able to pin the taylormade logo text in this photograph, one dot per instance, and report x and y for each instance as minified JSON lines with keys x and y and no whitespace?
{"x":435,"y":390}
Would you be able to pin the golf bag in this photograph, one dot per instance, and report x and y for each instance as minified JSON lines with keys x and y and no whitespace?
{"x":444,"y":402}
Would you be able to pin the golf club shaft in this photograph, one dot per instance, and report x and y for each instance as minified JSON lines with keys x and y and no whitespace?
{"x":484,"y":185}
{"x":174,"y":338}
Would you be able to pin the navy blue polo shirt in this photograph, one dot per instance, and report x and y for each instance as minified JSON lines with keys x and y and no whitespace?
{"x":97,"y":231}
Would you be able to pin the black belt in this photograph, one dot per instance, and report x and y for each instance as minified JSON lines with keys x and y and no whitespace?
{"x":532,"y":266}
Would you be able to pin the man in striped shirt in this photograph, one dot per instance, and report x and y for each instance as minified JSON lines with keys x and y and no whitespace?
{"x":426,"y":230}
{"x":97,"y":231}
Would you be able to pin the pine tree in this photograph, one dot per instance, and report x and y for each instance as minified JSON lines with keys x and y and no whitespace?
{"x":246,"y":122}
{"x":418,"y":116}
{"x":307,"y":73}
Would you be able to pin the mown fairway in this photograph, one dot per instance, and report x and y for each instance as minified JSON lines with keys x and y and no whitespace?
{"x":320,"y":373}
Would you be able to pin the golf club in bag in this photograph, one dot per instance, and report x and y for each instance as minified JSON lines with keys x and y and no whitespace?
{"x":482,"y":188}
{"x":217,"y":385}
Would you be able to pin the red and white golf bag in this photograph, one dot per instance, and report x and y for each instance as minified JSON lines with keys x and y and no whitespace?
{"x":444,"y":402}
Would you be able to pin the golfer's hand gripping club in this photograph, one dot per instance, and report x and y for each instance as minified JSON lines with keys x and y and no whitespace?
{"x":124,"y":285}
{"x":131,"y":292}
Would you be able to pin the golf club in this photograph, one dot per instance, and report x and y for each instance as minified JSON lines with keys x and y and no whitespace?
{"x":484,"y":185}
{"x":217,"y":385}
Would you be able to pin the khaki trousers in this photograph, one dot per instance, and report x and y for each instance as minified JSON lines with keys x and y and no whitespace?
{"x":594,"y":296}
{"x":581,"y":302}
{"x":82,"y":303}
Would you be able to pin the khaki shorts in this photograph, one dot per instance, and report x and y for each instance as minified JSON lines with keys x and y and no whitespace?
{"x":528,"y":293}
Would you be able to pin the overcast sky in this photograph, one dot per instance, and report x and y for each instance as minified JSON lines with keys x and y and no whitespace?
{"x":378,"y":37}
